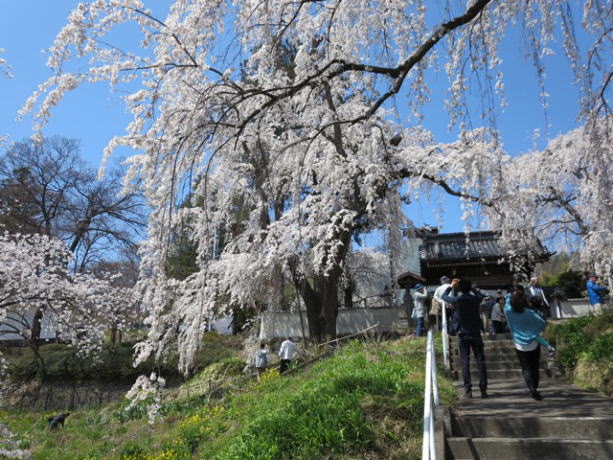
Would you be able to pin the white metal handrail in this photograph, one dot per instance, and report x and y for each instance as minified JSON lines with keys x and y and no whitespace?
{"x":431,"y":400}
{"x":445,"y":336}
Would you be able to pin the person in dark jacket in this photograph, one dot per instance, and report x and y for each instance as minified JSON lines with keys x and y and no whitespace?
{"x":469,"y":326}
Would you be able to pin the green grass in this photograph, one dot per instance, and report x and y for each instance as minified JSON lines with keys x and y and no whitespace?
{"x":585,"y":350}
{"x":365,"y":400}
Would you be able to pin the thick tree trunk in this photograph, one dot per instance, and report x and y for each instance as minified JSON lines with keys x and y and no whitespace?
{"x":37,"y":321}
{"x":348,"y":294}
{"x":328,"y":288}
{"x":42,"y":368}
{"x":322,"y":303}
{"x":321,"y":294}
{"x":313,"y":303}
{"x":116,"y":335}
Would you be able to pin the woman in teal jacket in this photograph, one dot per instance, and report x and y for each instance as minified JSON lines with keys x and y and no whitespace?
{"x":526,"y":327}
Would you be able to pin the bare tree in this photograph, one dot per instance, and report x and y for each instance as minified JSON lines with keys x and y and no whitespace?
{"x":46,"y":188}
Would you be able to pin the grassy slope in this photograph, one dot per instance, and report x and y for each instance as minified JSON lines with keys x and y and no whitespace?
{"x":585,"y":350}
{"x":365,"y":402}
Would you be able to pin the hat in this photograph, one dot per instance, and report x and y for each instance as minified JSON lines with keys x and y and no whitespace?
{"x":592,"y":275}
{"x":444,"y":279}
{"x":418,"y":286}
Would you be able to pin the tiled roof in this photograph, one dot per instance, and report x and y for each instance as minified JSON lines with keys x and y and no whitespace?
{"x":456,"y":246}
{"x":410,"y":277}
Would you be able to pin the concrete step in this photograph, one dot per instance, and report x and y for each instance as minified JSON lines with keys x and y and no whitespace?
{"x":510,"y":359}
{"x":490,"y":344}
{"x":533,"y":427}
{"x":485,"y":338}
{"x":510,"y":364}
{"x":510,"y":398}
{"x":491,"y":347}
{"x":493,"y":338}
{"x":529,"y":448}
{"x":489,"y":354}
{"x":496,"y":362}
{"x":497,"y":374}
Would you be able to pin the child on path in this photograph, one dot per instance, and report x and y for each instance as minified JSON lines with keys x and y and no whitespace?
{"x":261,"y":359}
{"x":286,"y":354}
{"x":497,"y":316}
{"x":419,"y":310}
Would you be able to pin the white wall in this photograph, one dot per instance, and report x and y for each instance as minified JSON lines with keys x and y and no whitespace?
{"x":409,"y":255}
{"x":47,"y":326}
{"x":571,"y":308}
{"x":349,"y":321}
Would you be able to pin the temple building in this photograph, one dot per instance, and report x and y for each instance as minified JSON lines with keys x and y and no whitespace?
{"x":429,"y":255}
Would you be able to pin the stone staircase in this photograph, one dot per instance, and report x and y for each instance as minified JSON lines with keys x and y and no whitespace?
{"x":570,"y":423}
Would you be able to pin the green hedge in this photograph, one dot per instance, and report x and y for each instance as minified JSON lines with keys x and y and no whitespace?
{"x":585,"y":349}
{"x":113,"y":364}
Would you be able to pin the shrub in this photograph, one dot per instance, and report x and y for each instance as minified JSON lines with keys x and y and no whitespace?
{"x":585,"y":345}
{"x":572,"y":283}
{"x":114,"y":362}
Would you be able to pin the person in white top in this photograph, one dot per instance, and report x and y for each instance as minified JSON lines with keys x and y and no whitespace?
{"x":497,"y":316}
{"x":286,"y":354}
{"x":261,"y":359}
{"x":445,"y":283}
{"x":420,"y":296}
{"x":534,"y":290}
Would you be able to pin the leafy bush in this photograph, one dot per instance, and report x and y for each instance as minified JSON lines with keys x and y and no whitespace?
{"x":114,"y":363}
{"x":572,"y":284}
{"x":220,"y":371}
{"x":585,"y":340}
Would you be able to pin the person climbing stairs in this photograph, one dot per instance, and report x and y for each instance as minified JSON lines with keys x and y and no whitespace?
{"x":569,"y":423}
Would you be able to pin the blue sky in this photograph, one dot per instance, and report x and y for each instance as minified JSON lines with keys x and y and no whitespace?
{"x":93,"y":114}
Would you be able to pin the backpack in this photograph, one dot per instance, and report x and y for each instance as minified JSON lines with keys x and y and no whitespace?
{"x":435,"y":307}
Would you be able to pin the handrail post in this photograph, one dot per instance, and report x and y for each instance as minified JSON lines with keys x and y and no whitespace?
{"x":428,"y":449}
{"x":425,"y":447}
{"x":437,"y":401}
{"x":445,"y":336}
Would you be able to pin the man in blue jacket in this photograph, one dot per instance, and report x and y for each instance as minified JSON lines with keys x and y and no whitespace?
{"x":467,"y":321}
{"x":596,"y":293}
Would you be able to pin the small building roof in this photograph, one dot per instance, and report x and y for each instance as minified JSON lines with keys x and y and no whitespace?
{"x":409,"y":279}
{"x":458,"y":246}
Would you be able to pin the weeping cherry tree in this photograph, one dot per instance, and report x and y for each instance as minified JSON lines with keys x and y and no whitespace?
{"x":305,"y":144}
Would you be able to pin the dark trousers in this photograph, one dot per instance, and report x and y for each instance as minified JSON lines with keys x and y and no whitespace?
{"x":419,"y":327}
{"x":476,"y":343}
{"x":434,"y":322}
{"x":497,"y":327}
{"x":451,"y":326}
{"x":284,"y":365}
{"x":529,"y":361}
